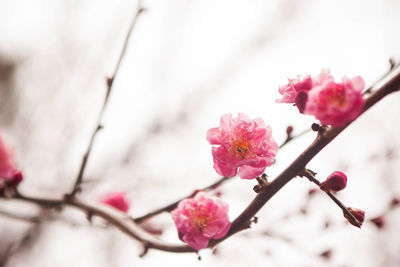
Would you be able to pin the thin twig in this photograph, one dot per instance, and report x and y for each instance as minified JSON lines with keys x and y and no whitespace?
{"x":290,"y":138}
{"x":173,"y":205}
{"x":110,"y":82}
{"x":392,"y":65}
{"x":311,"y":177}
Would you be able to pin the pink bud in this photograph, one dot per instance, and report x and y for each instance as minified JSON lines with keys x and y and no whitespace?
{"x":117,"y":200}
{"x":379,"y":222}
{"x":395,"y":202}
{"x":335,"y":182}
{"x":358,"y":214}
{"x":9,"y":174}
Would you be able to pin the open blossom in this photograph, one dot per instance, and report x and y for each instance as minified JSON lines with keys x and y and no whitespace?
{"x":244,"y":145}
{"x":9,"y":174}
{"x":117,"y":200}
{"x":200,"y":219}
{"x":336,"y":103}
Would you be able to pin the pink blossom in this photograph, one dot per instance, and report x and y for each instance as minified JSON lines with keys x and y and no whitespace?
{"x":335,"y":182}
{"x":296,"y":91}
{"x":117,"y":200}
{"x":290,"y":90}
{"x":200,"y":219}
{"x":244,"y":144}
{"x":336,"y":103}
{"x":9,"y":174}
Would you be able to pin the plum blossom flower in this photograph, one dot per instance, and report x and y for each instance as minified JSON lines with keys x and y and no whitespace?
{"x":296,"y":91}
{"x":245,"y":145}
{"x":336,"y":103}
{"x":117,"y":200}
{"x":9,"y":174}
{"x":200,"y":219}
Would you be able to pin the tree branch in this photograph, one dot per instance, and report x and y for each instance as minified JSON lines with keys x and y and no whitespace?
{"x":125,"y":224}
{"x":120,"y":220}
{"x":323,"y":139}
{"x":110,"y":82}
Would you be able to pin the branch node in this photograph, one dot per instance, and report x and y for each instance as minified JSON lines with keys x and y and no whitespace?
{"x":262,"y":183}
{"x":146,"y":247}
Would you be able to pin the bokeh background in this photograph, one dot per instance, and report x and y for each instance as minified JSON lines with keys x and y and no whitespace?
{"x":188,"y":62}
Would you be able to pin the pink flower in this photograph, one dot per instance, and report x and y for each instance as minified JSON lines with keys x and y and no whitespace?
{"x":296,"y":85}
{"x":117,"y":200}
{"x":244,"y":144}
{"x":296,"y":91}
{"x":9,"y":174}
{"x":334,"y":103}
{"x":200,"y":219}
{"x":335,"y":182}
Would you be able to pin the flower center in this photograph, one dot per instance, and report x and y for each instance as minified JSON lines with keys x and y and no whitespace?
{"x":334,"y":96}
{"x":200,"y":220}
{"x":240,"y":148}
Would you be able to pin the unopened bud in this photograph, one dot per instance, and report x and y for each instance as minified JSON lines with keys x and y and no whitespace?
{"x":395,"y":202}
{"x":301,"y":100}
{"x":16,"y":178}
{"x":335,"y":182}
{"x":358,"y":214}
{"x":379,"y":222}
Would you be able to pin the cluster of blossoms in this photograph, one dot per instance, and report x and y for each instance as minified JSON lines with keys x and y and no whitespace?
{"x":9,"y":174}
{"x":332,"y":103}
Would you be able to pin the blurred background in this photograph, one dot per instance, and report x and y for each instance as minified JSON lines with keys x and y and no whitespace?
{"x":188,"y":62}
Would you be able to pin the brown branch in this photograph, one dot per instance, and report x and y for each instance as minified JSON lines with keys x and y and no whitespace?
{"x":110,"y":82}
{"x":120,"y":220}
{"x":299,"y":164}
{"x":311,"y":177}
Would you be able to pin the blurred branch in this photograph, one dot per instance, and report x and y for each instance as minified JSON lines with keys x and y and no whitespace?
{"x":173,"y":205}
{"x":113,"y":216}
{"x":30,"y":219}
{"x":290,"y":137}
{"x":110,"y":82}
{"x":392,"y":65}
{"x":311,"y":177}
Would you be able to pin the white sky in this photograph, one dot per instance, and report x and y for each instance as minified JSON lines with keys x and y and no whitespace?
{"x":190,"y":61}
